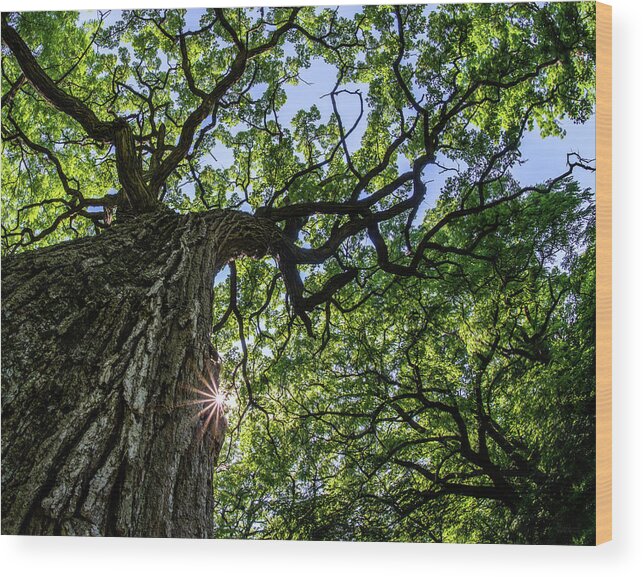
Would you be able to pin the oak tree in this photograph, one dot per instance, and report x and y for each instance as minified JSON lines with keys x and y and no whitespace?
{"x":146,"y":152}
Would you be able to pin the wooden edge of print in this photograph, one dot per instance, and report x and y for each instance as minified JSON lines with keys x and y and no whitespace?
{"x":603,"y":273}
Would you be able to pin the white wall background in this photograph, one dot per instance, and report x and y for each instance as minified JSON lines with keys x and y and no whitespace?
{"x":48,"y":556}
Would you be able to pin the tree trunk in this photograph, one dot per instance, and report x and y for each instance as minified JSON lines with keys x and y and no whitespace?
{"x":103,"y":341}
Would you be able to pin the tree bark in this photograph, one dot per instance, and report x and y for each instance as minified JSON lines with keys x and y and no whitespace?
{"x":103,"y":341}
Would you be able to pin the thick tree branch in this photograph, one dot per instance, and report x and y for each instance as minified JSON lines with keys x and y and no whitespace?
{"x":58,"y":98}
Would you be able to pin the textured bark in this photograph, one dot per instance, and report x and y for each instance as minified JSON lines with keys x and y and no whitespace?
{"x":102,"y":340}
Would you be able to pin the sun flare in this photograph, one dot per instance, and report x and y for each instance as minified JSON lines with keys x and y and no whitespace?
{"x":211,"y":400}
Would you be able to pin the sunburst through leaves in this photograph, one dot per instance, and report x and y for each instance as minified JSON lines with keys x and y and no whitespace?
{"x":211,"y":402}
